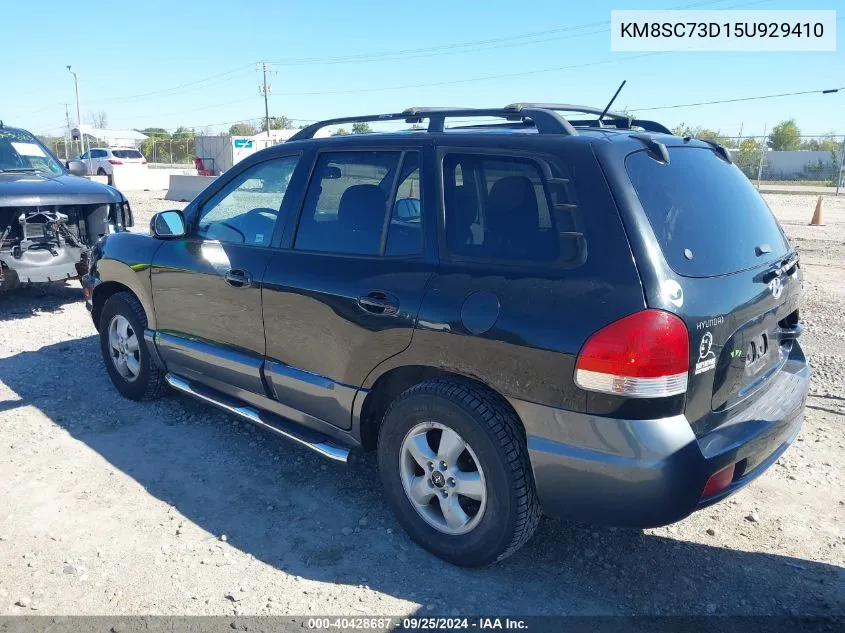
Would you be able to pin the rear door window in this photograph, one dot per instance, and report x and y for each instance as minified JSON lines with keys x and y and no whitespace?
{"x":363,"y":203}
{"x":708,"y":218}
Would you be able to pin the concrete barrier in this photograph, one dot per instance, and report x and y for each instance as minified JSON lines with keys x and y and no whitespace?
{"x":132,"y":179}
{"x":186,"y":188}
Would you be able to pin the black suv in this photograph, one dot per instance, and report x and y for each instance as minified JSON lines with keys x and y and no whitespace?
{"x":590,"y":317}
{"x":49,"y":218}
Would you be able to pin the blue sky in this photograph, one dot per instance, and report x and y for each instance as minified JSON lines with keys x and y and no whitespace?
{"x":174,"y":63}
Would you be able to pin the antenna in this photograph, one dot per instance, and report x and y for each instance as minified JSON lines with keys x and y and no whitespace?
{"x":615,"y":94}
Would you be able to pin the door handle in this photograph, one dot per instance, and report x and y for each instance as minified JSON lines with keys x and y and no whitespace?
{"x":238,"y":279}
{"x":379,"y":302}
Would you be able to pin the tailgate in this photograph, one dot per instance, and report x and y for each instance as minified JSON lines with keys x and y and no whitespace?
{"x":742,"y":328}
{"x":729,"y":273}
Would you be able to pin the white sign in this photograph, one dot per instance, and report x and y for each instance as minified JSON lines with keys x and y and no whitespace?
{"x":713,"y":30}
{"x":28,"y":149}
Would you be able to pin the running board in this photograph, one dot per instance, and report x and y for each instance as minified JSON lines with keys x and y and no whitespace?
{"x":305,"y":437}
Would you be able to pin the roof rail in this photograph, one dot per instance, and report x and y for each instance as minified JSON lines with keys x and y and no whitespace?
{"x":543,"y":116}
{"x":546,"y":121}
{"x":617,"y":119}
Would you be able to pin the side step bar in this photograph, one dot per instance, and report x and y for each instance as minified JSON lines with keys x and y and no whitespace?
{"x":304,"y":437}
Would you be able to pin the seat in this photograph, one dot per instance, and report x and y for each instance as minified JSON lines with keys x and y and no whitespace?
{"x":361,"y":214}
{"x":512,"y":227}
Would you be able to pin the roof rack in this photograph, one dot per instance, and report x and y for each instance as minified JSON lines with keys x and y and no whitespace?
{"x":543,"y":116}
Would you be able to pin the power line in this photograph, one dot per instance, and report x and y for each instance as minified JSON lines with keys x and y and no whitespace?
{"x":475,"y":79}
{"x":486,"y":44}
{"x":756,"y":98}
{"x":174,"y":88}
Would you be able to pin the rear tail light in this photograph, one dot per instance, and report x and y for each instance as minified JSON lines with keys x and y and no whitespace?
{"x":719,"y":481}
{"x":143,"y":161}
{"x":115,"y":162}
{"x":644,"y":355}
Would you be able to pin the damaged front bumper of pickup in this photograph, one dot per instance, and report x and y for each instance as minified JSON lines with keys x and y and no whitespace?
{"x":52,"y":243}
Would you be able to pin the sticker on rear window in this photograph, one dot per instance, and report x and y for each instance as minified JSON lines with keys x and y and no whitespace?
{"x":706,"y":356}
{"x":28,"y":149}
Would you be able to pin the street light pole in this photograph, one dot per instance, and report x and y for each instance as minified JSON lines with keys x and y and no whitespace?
{"x":82,"y":147}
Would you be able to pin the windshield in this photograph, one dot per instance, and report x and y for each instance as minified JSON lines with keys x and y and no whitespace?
{"x":706,"y":215}
{"x":21,"y":151}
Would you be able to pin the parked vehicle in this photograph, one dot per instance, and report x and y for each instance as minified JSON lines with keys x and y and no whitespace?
{"x":591,"y":317}
{"x":102,"y":161}
{"x":49,"y":217}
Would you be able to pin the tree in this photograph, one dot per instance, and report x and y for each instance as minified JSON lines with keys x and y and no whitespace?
{"x":243,"y":129}
{"x":99,"y":119}
{"x":785,"y":136}
{"x":748,"y":157}
{"x":827,"y":143}
{"x":341,"y":131}
{"x":158,"y":132}
{"x":277,"y":123}
{"x":704,"y":133}
{"x":361,"y":127}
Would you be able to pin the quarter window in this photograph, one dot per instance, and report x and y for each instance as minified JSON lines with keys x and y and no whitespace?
{"x":510,"y":209}
{"x":246,"y":210}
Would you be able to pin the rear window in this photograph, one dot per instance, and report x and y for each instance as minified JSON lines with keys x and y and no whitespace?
{"x":127,"y":153}
{"x":707,"y":216}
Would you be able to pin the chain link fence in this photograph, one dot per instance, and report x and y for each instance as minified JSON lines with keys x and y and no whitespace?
{"x":816,"y":161}
{"x":812,"y":160}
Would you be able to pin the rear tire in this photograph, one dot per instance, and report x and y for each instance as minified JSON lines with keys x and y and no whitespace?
{"x":128,"y":362}
{"x":501,"y":518}
{"x":109,"y":177}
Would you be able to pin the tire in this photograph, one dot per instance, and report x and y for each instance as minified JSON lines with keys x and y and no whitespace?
{"x":109,"y":177}
{"x":147,"y":382}
{"x":495,"y":439}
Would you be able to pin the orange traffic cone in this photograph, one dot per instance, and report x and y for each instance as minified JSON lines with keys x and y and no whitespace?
{"x":818,"y":214}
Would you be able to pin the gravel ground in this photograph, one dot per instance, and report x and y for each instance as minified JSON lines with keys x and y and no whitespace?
{"x":113,"y":507}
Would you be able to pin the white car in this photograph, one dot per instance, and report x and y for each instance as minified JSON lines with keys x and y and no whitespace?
{"x":102,"y":161}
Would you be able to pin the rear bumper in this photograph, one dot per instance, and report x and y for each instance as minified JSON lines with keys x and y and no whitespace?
{"x":645,"y":473}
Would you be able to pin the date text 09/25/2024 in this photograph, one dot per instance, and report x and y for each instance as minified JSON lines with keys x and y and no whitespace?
{"x":417,"y":624}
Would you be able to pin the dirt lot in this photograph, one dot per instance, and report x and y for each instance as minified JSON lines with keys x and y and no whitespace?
{"x":115,"y":507}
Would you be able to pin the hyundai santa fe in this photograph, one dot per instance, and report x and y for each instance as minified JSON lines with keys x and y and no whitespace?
{"x":564,"y":311}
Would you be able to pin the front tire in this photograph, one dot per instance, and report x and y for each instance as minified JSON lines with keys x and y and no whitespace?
{"x":128,"y":363}
{"x":454,"y":465}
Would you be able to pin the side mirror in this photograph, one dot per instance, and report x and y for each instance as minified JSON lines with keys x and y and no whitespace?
{"x":77,"y":168}
{"x":168,"y":225}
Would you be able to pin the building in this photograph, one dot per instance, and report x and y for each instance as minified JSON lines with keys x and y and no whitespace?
{"x":110,"y":138}
{"x":219,"y":153}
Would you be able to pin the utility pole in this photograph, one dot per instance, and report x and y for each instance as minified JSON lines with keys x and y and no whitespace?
{"x":265,"y":90}
{"x":82,"y":142}
{"x":841,"y":166}
{"x":67,"y":132}
{"x":762,"y":155}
